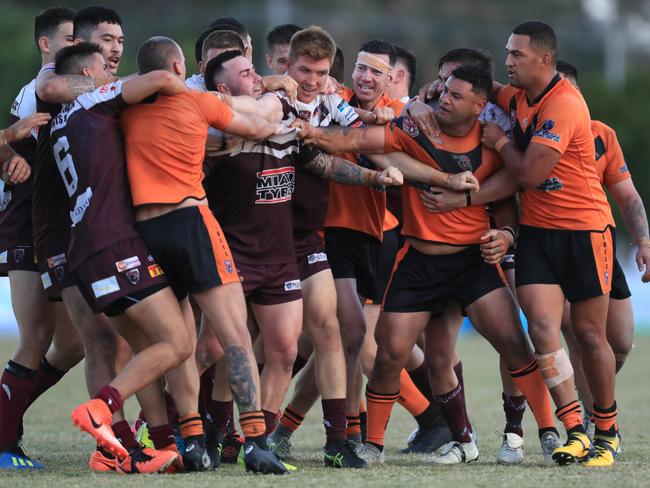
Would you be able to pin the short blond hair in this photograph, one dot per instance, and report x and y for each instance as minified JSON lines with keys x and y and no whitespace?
{"x":315,"y":42}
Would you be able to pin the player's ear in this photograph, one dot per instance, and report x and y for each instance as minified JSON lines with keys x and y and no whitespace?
{"x":201,"y":67}
{"x":44,"y":44}
{"x":222,"y":88}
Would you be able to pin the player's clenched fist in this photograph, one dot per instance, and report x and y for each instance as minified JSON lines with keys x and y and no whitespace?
{"x":391,"y":176}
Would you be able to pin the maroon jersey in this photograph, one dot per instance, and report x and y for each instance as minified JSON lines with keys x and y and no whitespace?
{"x":49,"y":197}
{"x":16,"y":200}
{"x":89,"y":154}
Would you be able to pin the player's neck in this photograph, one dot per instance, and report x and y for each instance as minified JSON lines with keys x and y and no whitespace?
{"x":536,"y":89}
{"x":46,"y":59}
{"x":369,"y":106}
{"x":461,"y":129}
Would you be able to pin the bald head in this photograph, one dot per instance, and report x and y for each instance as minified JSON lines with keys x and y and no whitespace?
{"x":159,"y":52}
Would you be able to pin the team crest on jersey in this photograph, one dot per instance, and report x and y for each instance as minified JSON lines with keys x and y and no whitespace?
{"x":19,"y":254}
{"x":545,"y":131}
{"x":410,"y":127}
{"x":155,"y":270}
{"x":58,"y":260}
{"x":463,"y":161}
{"x":127,"y":264}
{"x":133,"y":275}
{"x":229,"y":267}
{"x":59,"y":272}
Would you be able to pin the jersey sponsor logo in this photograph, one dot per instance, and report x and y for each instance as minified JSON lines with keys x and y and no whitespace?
{"x":275,"y":185}
{"x":305,"y":115}
{"x":292,"y":285}
{"x":410,"y":127}
{"x":133,"y":275}
{"x":5,"y":200}
{"x":80,"y":206}
{"x":105,"y":286}
{"x":623,"y":169}
{"x":3,"y":257}
{"x":19,"y":254}
{"x":58,"y":260}
{"x":127,"y":264}
{"x":317,"y":257}
{"x":46,"y":280}
{"x":551,"y":184}
{"x":155,"y":270}
{"x":545,"y":131}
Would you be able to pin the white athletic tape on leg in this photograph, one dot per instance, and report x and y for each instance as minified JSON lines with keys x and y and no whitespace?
{"x":554,"y":367}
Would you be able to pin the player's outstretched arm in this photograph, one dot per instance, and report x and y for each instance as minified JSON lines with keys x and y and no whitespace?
{"x":251,"y":126}
{"x":53,"y":88}
{"x":268,"y":107}
{"x":139,"y":87}
{"x":364,"y":140}
{"x":343,"y":171}
{"x":636,"y":221}
{"x":22,"y":128}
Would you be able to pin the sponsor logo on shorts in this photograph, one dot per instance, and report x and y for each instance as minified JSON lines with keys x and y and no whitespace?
{"x":545,"y":131}
{"x":3,"y":257}
{"x":317,"y":257}
{"x":133,"y":275}
{"x":410,"y":127}
{"x":551,"y":184}
{"x":19,"y":255}
{"x":127,"y":264}
{"x":105,"y":286}
{"x":606,"y":276}
{"x":59,"y":272}
{"x":229,"y":267}
{"x":292,"y":285}
{"x":57,"y":260}
{"x":46,"y":280}
{"x":155,"y":270}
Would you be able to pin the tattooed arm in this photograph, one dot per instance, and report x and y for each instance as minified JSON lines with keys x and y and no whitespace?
{"x":364,"y":140}
{"x":629,"y":201}
{"x":342,"y":171}
{"x":53,"y":88}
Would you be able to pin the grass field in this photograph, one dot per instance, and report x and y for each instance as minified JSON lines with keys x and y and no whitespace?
{"x":51,"y":438}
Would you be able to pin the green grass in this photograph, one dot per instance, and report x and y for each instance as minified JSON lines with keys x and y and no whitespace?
{"x":51,"y":438}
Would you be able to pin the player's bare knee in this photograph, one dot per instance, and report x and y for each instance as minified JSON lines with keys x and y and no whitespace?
{"x":555,"y":367}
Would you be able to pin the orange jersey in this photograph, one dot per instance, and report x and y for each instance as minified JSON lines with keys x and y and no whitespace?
{"x":460,"y":227}
{"x":571,"y":197}
{"x":355,"y":207}
{"x":390,"y":221}
{"x":610,"y":162}
{"x":165,"y":145}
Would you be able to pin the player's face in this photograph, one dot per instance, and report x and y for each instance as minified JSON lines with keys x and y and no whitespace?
{"x":62,"y":38}
{"x":110,"y":39}
{"x":369,"y":83}
{"x":242,"y":79}
{"x":458,"y":103}
{"x":311,"y":76}
{"x":98,"y":67}
{"x":278,"y":59}
{"x":522,"y":61}
{"x":444,"y":73}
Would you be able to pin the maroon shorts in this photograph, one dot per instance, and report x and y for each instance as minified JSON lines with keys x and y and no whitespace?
{"x":310,"y":255}
{"x":17,"y":258}
{"x":269,"y":284}
{"x":119,"y":276}
{"x":52,"y":260}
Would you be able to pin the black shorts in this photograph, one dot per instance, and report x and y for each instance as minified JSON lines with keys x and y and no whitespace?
{"x":190,"y":247}
{"x":426,"y":283}
{"x":354,"y":254}
{"x":580,"y":262}
{"x":270,"y":284}
{"x":18,"y":258}
{"x":390,"y":246}
{"x":52,"y":261}
{"x":121,"y":275}
{"x":310,"y":254}
{"x":620,"y":290}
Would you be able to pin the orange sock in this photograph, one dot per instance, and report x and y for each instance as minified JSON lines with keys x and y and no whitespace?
{"x":379,"y":408}
{"x":410,"y":397}
{"x":570,"y":415}
{"x":291,"y":418}
{"x":605,"y":419}
{"x":252,"y":423}
{"x":529,"y":380}
{"x":190,"y":425}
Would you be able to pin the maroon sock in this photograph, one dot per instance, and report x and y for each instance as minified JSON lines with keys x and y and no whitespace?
{"x":205,"y":390}
{"x":124,"y":434}
{"x":172,"y":413}
{"x":162,"y":436}
{"x":18,"y":383}
{"x":334,"y":420}
{"x":298,"y":364}
{"x":271,"y":420}
{"x":420,"y":377}
{"x":112,"y":398}
{"x":221,"y":414}
{"x":514,"y":408}
{"x":46,"y":377}
{"x":452,"y":407}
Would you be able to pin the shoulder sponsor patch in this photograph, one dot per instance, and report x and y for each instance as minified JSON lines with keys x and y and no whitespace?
{"x":105,"y":286}
{"x":127,"y":264}
{"x":545,"y":131}
{"x":292,"y":285}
